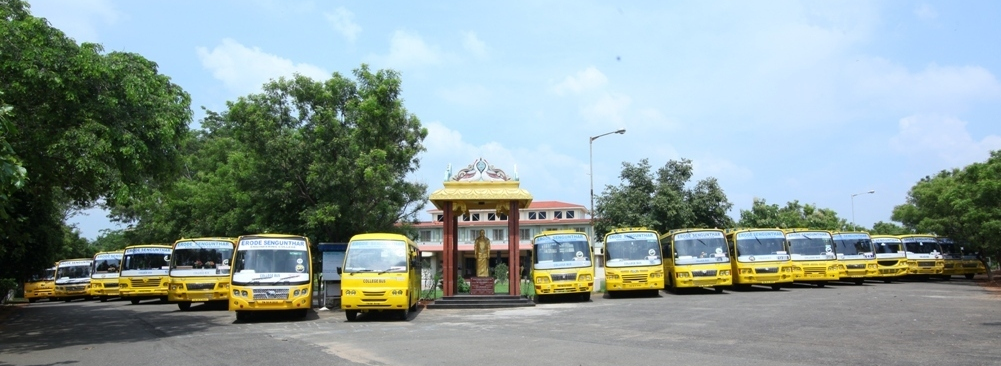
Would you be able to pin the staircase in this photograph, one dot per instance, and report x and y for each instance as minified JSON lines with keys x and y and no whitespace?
{"x":480,"y":302}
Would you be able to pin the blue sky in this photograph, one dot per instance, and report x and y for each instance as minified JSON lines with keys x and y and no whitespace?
{"x":781,"y":100}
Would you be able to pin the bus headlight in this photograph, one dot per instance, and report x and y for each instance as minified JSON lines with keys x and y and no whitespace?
{"x":744,"y":271}
{"x":611,"y":276}
{"x":724,"y":273}
{"x":542,"y":280}
{"x":682,"y":275}
{"x":586,"y":277}
{"x":658,"y":274}
{"x":236,"y":292}
{"x":243,"y":293}
{"x":786,"y":269}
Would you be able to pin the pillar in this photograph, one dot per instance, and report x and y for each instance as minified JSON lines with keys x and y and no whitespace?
{"x":514,"y":254}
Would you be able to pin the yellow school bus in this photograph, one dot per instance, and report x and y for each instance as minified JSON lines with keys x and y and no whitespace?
{"x":696,"y":258}
{"x":104,"y":274}
{"x":144,"y":272}
{"x":562,"y":263}
{"x":759,"y":257}
{"x":633,"y":261}
{"x":890,"y":258}
{"x":813,"y":257}
{"x":972,"y":265}
{"x":856,"y":256}
{"x":381,"y":272}
{"x":952,"y":257}
{"x":40,"y":285}
{"x":199,"y":271}
{"x":924,"y":258}
{"x":271,"y":272}
{"x":73,"y":279}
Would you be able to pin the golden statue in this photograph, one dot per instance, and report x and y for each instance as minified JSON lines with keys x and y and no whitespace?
{"x":482,"y":252}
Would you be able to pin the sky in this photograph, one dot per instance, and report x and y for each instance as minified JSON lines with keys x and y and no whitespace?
{"x":778,"y":100}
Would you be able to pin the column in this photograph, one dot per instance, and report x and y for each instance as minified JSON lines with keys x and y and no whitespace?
{"x":514,"y":254}
{"x":447,"y":257}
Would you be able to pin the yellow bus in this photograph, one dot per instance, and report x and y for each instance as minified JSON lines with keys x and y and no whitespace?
{"x":890,"y":258}
{"x":856,"y":256}
{"x":813,"y":257}
{"x":381,"y":272}
{"x":972,"y":265}
{"x":41,"y":285}
{"x":104,"y":274}
{"x":759,"y":257}
{"x":144,"y":272}
{"x":924,"y":258}
{"x":73,"y":279}
{"x":633,"y":261}
{"x":199,"y":271}
{"x":952,"y":257}
{"x":271,"y":272}
{"x":562,"y":263}
{"x":696,"y":258}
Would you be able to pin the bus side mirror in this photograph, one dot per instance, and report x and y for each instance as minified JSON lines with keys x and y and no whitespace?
{"x":338,"y":270}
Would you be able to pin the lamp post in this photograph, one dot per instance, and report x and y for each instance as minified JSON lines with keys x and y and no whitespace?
{"x":853,"y":205}
{"x":590,"y":166}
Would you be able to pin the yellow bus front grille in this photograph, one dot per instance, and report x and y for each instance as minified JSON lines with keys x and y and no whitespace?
{"x":152,"y":282}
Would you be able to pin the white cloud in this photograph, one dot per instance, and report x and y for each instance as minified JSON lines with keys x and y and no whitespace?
{"x":608,"y":110}
{"x":925,"y":12}
{"x":936,"y":89}
{"x":243,"y":70}
{"x":408,"y":50}
{"x":466,"y":95}
{"x":585,"y":80}
{"x":474,"y":45}
{"x":78,"y":19}
{"x":722,"y":169}
{"x":934,"y":139}
{"x":343,"y":21}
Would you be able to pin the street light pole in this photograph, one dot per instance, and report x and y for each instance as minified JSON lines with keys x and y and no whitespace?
{"x":590,"y":166}
{"x":853,"y":205}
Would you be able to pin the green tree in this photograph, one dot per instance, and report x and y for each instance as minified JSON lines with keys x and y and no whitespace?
{"x":792,"y":215}
{"x":12,"y":173}
{"x":962,"y":204}
{"x":88,"y":128}
{"x":661,"y":202}
{"x":327,"y":159}
{"x":889,"y":228}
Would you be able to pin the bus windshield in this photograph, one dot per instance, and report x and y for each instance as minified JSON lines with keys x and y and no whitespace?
{"x":145,"y":261}
{"x":949,"y":247}
{"x":265,"y":260}
{"x":201,"y":258}
{"x":632,"y":249}
{"x":922,"y":246}
{"x":74,"y":271}
{"x":709,"y":244}
{"x":810,"y":244}
{"x":107,"y":263}
{"x":887,"y":247}
{"x":49,"y":274}
{"x":853,"y":246}
{"x":380,"y":256}
{"x":562,"y":251}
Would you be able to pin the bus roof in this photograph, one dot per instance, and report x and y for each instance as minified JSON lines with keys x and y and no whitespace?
{"x":380,"y":236}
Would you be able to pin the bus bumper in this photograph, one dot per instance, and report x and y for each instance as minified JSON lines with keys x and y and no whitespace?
{"x":243,"y":298}
{"x":372,"y":299}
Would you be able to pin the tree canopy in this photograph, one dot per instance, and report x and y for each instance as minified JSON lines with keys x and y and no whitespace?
{"x":792,"y":215}
{"x":962,"y":204}
{"x":86,"y":126}
{"x":327,"y":159}
{"x":661,"y":202}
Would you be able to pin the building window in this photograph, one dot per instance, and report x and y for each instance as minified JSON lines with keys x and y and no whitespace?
{"x":476,"y":217}
{"x":492,"y":217}
{"x":526,"y":234}
{"x":542,"y":215}
{"x":552,"y":229}
{"x":580,"y":229}
{"x":569,"y":214}
{"x":499,"y":235}
{"x":465,"y":217}
{"x":532,"y":215}
{"x":441,"y":218}
{"x":425,"y":235}
{"x":503,"y":217}
{"x":557,"y":215}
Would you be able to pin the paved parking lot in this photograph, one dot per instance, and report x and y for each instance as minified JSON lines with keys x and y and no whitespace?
{"x":911,"y":323}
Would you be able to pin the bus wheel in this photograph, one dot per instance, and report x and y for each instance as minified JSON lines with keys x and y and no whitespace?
{"x":776,"y":287}
{"x":969,"y":276}
{"x":404,"y":314}
{"x":821,"y":285}
{"x":947,"y":277}
{"x":104,"y":299}
{"x":32,"y":301}
{"x":859,"y":282}
{"x":184,"y":305}
{"x":352,"y":315}
{"x":135,"y":301}
{"x":886,"y":281}
{"x":163,"y":299}
{"x":242,"y":315}
{"x":719,"y":290}
{"x":301,"y":313}
{"x":68,"y":300}
{"x":585,"y":297}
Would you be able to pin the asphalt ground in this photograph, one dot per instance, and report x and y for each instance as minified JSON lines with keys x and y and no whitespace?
{"x":908,"y":323}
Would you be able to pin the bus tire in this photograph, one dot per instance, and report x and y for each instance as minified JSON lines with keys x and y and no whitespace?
{"x":301,"y":313}
{"x":135,"y":301}
{"x":947,"y":277}
{"x":352,"y":315}
{"x":184,"y":305}
{"x":776,"y":287}
{"x":68,"y":300}
{"x":821,"y":285}
{"x":969,"y":276}
{"x":163,"y":299}
{"x":242,"y":315}
{"x":404,"y":314}
{"x":104,"y":299}
{"x":585,"y":297}
{"x":887,"y":281}
{"x":32,"y":301}
{"x":719,"y":290}
{"x":859,"y":282}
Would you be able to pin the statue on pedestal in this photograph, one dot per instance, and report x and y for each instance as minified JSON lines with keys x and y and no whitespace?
{"x":482,"y":251}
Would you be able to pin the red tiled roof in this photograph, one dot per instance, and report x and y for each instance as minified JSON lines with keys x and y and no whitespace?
{"x":539,"y":205}
{"x":503,"y":223}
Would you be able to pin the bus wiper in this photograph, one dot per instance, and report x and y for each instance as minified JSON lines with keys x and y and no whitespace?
{"x":386,"y":270}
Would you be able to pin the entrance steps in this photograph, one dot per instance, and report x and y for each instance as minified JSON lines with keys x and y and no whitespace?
{"x":480,"y":302}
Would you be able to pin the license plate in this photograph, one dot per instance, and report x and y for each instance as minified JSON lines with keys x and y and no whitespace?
{"x":199,"y":299}
{"x":270,"y":302}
